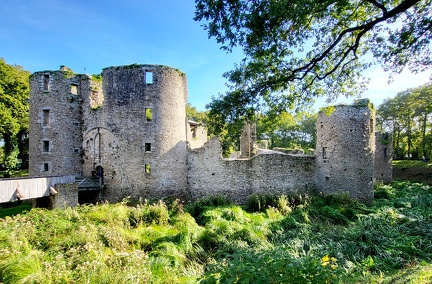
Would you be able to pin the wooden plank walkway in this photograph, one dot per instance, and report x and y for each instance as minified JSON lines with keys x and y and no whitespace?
{"x":30,"y":187}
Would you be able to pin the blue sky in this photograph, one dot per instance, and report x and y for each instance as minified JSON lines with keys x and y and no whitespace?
{"x":90,"y":35}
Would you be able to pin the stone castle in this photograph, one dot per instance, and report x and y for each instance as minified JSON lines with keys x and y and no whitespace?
{"x":129,"y":127}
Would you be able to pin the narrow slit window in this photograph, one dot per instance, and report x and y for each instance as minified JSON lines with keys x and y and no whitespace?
{"x":45,"y":167}
{"x":74,"y":89}
{"x":46,"y":117}
{"x":147,"y":168}
{"x":46,"y":146}
{"x":46,"y":82}
{"x":149,"y":77}
{"x":148,"y":114}
{"x":147,"y":147}
{"x":371,"y":126}
{"x":324,"y":152}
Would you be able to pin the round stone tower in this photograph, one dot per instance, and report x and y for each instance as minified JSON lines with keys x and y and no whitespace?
{"x":134,"y":132}
{"x":55,"y":129}
{"x":345,"y":150}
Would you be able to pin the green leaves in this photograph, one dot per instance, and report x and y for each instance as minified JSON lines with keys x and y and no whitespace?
{"x":14,"y":93}
{"x":406,"y":116}
{"x":298,"y":50}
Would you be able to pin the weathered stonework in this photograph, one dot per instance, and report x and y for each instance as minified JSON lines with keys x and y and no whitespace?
{"x":271,"y":173}
{"x":196,"y":134}
{"x":129,"y":127}
{"x":55,"y":128}
{"x":345,"y":150}
{"x":383,"y":170}
{"x":248,"y":141}
{"x":67,"y":195}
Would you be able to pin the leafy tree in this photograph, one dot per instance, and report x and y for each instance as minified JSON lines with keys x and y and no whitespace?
{"x":408,"y":115}
{"x":193,"y":114}
{"x":297,"y":50}
{"x":14,"y":93}
{"x":289,"y":130}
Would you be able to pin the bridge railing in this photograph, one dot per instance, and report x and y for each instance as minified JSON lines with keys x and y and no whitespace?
{"x":89,"y":183}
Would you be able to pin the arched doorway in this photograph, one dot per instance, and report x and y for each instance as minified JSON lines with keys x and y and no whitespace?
{"x":100,"y":173}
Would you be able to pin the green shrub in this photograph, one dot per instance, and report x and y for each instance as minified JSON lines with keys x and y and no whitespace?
{"x":198,"y":207}
{"x":334,"y":215}
{"x":259,"y":202}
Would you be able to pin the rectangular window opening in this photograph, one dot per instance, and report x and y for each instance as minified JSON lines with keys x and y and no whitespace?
{"x":46,"y":82}
{"x":74,"y":89}
{"x":76,"y":150}
{"x":46,"y":146}
{"x":371,"y":126}
{"x":149,"y":77}
{"x":324,"y":152}
{"x":46,"y":117}
{"x":148,"y":114}
{"x":45,"y":167}
{"x":147,"y":147}
{"x":194,"y":131}
{"x":147,"y":168}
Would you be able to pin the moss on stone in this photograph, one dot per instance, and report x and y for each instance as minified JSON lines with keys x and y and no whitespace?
{"x":96,"y":77}
{"x":328,"y":110}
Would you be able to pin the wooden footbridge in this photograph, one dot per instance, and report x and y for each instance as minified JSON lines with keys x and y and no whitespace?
{"x":14,"y":189}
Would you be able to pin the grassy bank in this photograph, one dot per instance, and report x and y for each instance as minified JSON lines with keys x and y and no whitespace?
{"x":419,"y":171}
{"x":288,"y":239}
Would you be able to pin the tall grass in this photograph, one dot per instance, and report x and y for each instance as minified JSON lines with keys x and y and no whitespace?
{"x":274,"y":239}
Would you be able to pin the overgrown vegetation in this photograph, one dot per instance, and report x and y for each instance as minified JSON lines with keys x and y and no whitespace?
{"x":285,"y":239}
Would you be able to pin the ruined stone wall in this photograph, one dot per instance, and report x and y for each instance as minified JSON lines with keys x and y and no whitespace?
{"x":129,"y":126}
{"x":383,"y":158}
{"x":137,"y":132}
{"x":67,"y":195}
{"x":345,"y":150}
{"x":248,"y":141}
{"x":55,"y":123}
{"x":196,"y":135}
{"x":209,"y":174}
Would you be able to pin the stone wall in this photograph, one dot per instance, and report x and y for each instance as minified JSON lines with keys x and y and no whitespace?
{"x":137,"y":135}
{"x":345,"y":150}
{"x":383,"y":171}
{"x":67,"y":195}
{"x":55,"y":124}
{"x":275,"y":173}
{"x":248,"y":141}
{"x":129,"y":126}
{"x":196,"y":135}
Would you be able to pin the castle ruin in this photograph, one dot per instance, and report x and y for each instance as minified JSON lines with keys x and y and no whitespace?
{"x":128,"y":126}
